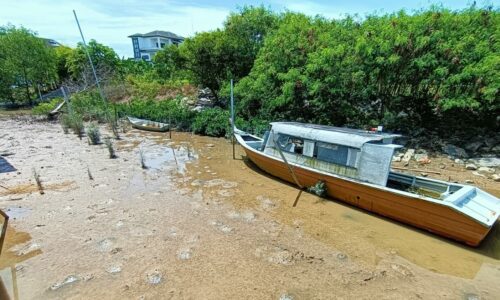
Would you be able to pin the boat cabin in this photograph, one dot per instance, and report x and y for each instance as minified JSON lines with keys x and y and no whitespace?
{"x":353,"y":153}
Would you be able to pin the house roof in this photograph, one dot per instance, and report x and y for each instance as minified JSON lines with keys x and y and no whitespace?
{"x":158,"y":33}
{"x":336,"y":135}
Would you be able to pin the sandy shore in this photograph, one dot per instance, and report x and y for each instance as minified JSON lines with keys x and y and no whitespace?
{"x":198,"y":225}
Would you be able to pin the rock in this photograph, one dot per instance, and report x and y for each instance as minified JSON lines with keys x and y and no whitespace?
{"x":286,"y":297}
{"x":396,"y":158}
{"x":424,"y":174}
{"x":459,"y":161}
{"x":486,"y":170}
{"x":421,"y":156}
{"x":495,"y":177}
{"x":408,"y":155}
{"x":184,"y":254}
{"x":455,"y":151}
{"x":114,"y":269}
{"x":154,"y":277}
{"x":68,"y":280}
{"x":477,"y":174}
{"x":468,"y":181}
{"x":491,"y":162}
{"x":470,"y":167}
{"x":474,"y":146}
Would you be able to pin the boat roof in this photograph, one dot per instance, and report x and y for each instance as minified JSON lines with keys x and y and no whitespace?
{"x":335,"y":135}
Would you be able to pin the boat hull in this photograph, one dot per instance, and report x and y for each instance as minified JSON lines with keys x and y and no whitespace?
{"x":148,"y":125}
{"x":436,"y":218}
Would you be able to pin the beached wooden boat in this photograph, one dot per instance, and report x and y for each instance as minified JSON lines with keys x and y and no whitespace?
{"x":355,"y":166}
{"x":148,"y":125}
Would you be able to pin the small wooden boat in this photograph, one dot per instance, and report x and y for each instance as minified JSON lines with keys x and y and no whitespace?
{"x":148,"y":125}
{"x":354,"y":165}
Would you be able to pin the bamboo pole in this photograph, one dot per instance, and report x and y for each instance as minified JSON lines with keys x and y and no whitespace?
{"x":232,"y":119}
{"x":4,"y":229}
{"x":290,"y":169}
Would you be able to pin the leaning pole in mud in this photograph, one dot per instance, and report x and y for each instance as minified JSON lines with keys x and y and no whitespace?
{"x":232,"y":118}
{"x":88,"y":56}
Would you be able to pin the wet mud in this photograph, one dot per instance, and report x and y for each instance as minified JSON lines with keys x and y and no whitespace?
{"x":197,"y":224}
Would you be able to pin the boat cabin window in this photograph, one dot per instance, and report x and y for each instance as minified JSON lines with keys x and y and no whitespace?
{"x":291,"y":144}
{"x":337,"y":154}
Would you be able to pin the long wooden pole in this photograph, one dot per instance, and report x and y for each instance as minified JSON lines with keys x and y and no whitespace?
{"x":4,"y":229}
{"x":232,"y":118}
{"x":290,"y":169}
{"x":88,"y":56}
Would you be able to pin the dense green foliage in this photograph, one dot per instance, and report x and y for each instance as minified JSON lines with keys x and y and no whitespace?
{"x":399,"y":70}
{"x":433,"y":69}
{"x":103,"y":57}
{"x":43,"y":109}
{"x":212,"y":122}
{"x":27,"y":64}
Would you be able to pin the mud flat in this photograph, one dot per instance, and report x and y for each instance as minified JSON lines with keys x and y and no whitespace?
{"x":198,"y":224}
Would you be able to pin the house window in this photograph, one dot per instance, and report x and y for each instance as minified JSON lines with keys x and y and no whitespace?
{"x":337,"y":154}
{"x":145,"y":57}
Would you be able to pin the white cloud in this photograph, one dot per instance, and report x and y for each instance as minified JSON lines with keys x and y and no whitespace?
{"x":109,"y":22}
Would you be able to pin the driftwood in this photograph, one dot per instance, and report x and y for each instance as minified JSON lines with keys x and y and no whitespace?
{"x":417,"y":170}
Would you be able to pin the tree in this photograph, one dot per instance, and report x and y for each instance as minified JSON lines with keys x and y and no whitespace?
{"x":216,"y":57}
{"x":26,"y":61}
{"x":103,"y":57}
{"x":169,"y":62}
{"x":63,"y":54}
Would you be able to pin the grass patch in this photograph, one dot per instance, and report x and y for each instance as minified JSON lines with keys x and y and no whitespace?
{"x":111,"y":149}
{"x":93,"y":134}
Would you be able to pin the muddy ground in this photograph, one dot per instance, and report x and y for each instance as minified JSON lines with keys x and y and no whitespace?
{"x":197,"y":224}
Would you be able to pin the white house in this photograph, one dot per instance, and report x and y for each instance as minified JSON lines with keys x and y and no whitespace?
{"x":146,"y":45}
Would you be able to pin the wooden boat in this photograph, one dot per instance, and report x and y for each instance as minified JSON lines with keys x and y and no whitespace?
{"x":355,"y":165}
{"x":148,"y":125}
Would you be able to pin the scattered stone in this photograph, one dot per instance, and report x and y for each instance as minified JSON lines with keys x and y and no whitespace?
{"x":455,"y":151}
{"x":442,"y":166}
{"x":495,"y":177}
{"x":470,"y":167}
{"x":402,"y":270}
{"x":477,"y":174}
{"x":424,"y":174}
{"x":468,"y":181}
{"x":68,"y":280}
{"x":459,"y":161}
{"x":471,"y":296}
{"x":421,"y":156}
{"x":210,"y":145}
{"x":491,"y":162}
{"x":154,"y":277}
{"x":248,"y":216}
{"x":486,"y":170}
{"x":408,"y":155}
{"x":105,"y":245}
{"x":184,"y":254}
{"x":114,"y":269}
{"x":286,"y":297}
{"x":396,"y":158}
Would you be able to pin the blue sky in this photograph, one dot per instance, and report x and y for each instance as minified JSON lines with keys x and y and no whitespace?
{"x":111,"y":21}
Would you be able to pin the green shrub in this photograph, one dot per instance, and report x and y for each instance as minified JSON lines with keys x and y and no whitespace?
{"x":93,"y":134}
{"x":212,"y":122}
{"x":91,"y":106}
{"x":74,"y":122}
{"x":111,"y":149}
{"x":46,"y":107}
